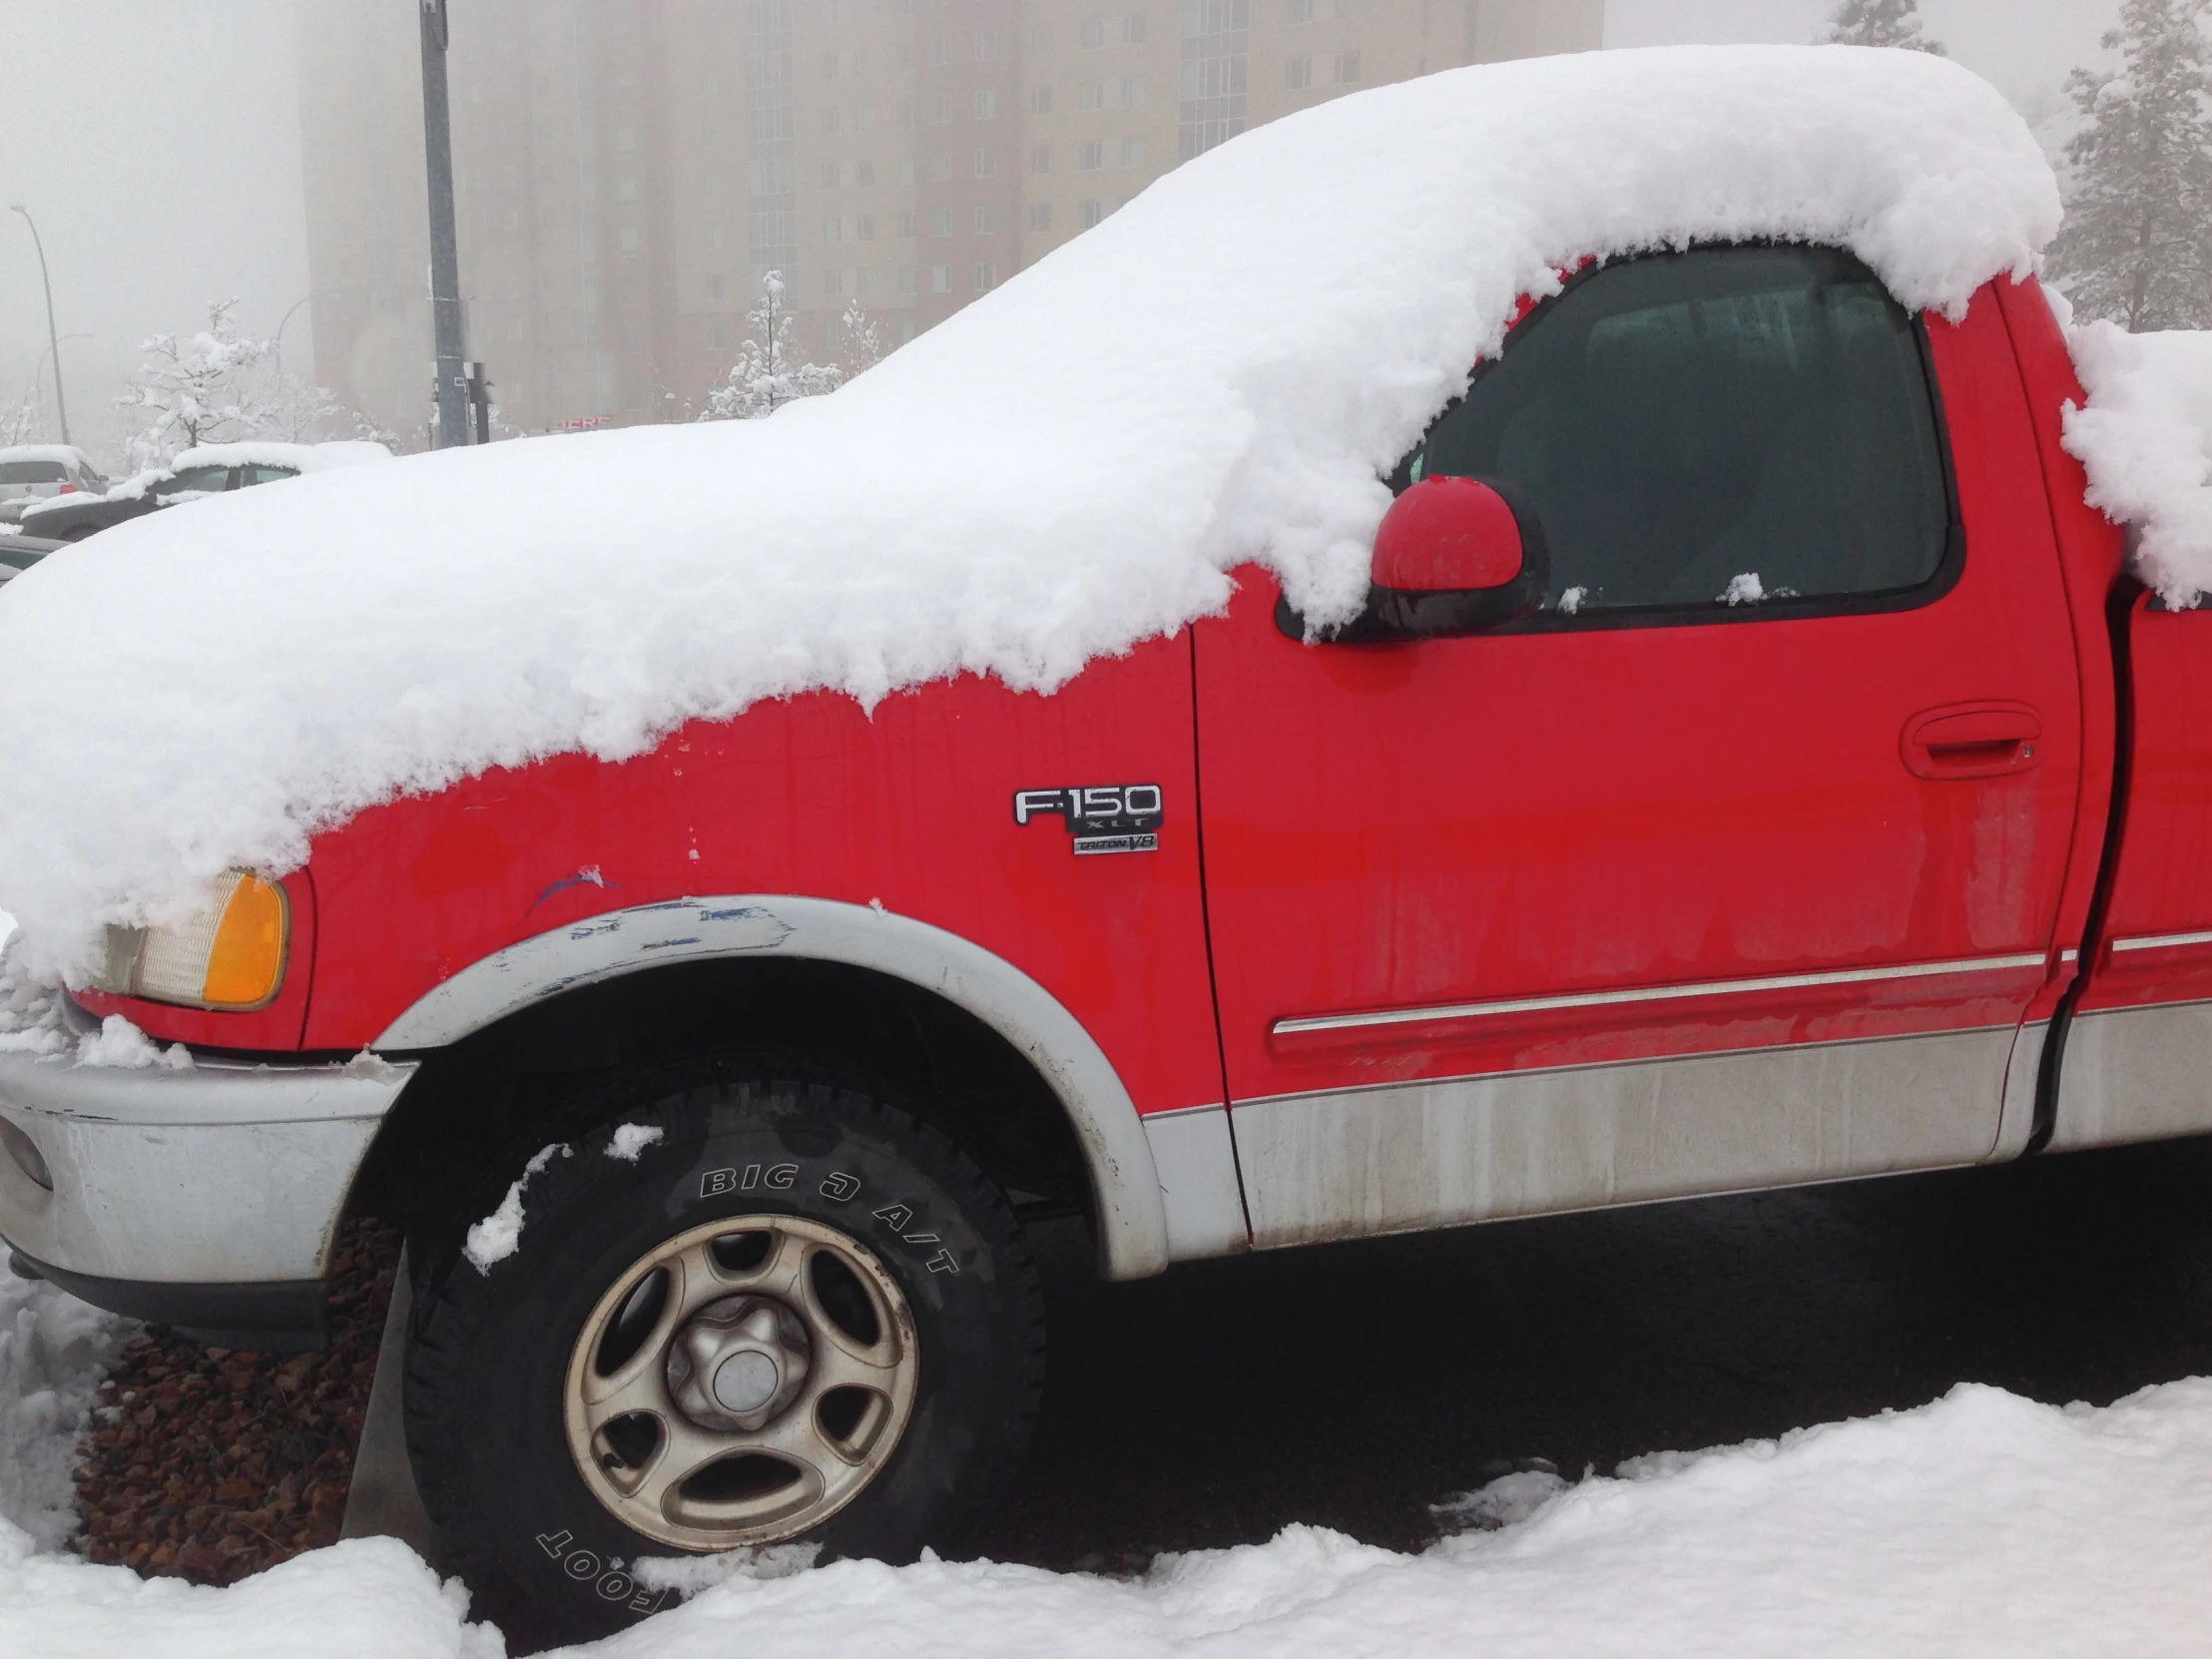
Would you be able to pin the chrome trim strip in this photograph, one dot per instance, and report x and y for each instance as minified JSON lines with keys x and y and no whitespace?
{"x":2162,"y":941}
{"x":1650,"y":993}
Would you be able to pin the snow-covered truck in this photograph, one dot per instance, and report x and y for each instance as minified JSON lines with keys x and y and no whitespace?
{"x":1532,"y":640}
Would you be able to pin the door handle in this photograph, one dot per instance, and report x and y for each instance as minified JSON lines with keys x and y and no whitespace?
{"x":1965,"y":741}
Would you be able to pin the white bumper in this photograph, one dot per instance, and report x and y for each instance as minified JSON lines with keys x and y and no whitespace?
{"x":224,"y":1174}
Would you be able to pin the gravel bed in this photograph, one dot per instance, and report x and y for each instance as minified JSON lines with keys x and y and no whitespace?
{"x":210,"y":1463}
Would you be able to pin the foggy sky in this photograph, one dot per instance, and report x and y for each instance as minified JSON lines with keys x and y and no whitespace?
{"x":157,"y":143}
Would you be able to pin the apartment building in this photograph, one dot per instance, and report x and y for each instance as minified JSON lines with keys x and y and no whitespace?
{"x":628,"y":172}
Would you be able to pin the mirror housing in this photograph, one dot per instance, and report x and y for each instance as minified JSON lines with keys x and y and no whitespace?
{"x":1453,"y":556}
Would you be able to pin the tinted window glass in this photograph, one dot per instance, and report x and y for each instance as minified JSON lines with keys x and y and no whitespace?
{"x":266,"y":474}
{"x":195,"y":478}
{"x":1746,"y":421}
{"x":33,"y":472}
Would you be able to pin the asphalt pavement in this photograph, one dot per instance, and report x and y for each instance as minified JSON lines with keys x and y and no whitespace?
{"x":1352,"y":1386}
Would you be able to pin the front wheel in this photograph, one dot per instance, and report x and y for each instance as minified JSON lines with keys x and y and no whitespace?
{"x":750,"y":1302}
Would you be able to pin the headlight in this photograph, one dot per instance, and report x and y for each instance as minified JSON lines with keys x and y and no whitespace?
{"x":228,"y":957}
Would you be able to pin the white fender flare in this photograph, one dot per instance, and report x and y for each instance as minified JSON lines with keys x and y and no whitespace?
{"x":1132,"y":1218}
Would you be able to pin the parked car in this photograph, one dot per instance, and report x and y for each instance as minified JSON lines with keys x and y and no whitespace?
{"x":1740,"y":758}
{"x":40,"y":471}
{"x":207,"y":470}
{"x":19,"y":553}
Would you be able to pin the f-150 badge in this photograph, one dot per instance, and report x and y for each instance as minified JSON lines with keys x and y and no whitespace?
{"x":1103,"y":817}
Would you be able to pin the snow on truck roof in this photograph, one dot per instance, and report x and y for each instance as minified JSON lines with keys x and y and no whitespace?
{"x":1221,"y":372}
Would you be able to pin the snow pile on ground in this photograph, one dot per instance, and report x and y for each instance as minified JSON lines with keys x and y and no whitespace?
{"x":2146,"y":440}
{"x":1984,"y":1524}
{"x":54,"y":1350}
{"x":1219,"y":372}
{"x":32,"y":1021}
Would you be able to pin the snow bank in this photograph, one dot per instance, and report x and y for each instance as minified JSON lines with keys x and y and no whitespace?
{"x":54,"y":1349}
{"x":1219,"y":373}
{"x":1980,"y":1526}
{"x":2146,"y":440}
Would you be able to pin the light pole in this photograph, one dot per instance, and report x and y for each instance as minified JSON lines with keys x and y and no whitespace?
{"x":53,"y":341}
{"x":446,"y":259}
{"x":38,"y":373}
{"x":280,"y":348}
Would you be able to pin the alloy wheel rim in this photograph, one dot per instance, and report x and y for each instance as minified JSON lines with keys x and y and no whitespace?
{"x":740,"y":1383}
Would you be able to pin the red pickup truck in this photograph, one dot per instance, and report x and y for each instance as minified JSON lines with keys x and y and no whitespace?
{"x":1753,"y":765}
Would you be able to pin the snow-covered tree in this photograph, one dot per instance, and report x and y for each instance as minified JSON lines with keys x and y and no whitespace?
{"x":768,"y":371}
{"x":196,"y":388}
{"x":21,"y":423}
{"x":1880,"y":23}
{"x":299,"y":411}
{"x":862,"y":337}
{"x":2136,"y":247}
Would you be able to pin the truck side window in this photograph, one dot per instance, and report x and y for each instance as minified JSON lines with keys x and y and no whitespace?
{"x":1753,"y":422}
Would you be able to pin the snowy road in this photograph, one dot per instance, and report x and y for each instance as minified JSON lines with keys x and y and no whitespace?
{"x":1352,"y":1386}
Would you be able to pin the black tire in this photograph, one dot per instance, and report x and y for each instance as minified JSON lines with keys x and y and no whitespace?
{"x":489,"y":1350}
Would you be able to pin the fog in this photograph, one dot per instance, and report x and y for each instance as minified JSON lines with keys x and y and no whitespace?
{"x":157,"y":145}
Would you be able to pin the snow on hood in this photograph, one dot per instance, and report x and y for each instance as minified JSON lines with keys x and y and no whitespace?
{"x":1219,"y":373}
{"x":2146,"y":440}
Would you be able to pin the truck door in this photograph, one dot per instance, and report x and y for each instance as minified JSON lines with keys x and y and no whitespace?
{"x":1738,"y":864}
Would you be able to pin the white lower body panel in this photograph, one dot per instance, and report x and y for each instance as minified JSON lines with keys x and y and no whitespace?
{"x":2135,"y":1074}
{"x":1439,"y":1154}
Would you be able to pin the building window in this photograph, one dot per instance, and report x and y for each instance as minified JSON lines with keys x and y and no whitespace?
{"x":940,"y":221}
{"x":1040,"y":158}
{"x":1092,"y":213}
{"x":714,"y":284}
{"x":1040,"y":99}
{"x":986,"y":278}
{"x":1298,"y":11}
{"x":863,"y":281}
{"x":716,"y":341}
{"x":1216,"y":54}
{"x":625,"y":141}
{"x":1091,"y":156}
{"x":1132,"y":29}
{"x":626,"y":188}
{"x":906,"y":227}
{"x":940,"y":279}
{"x":832,"y":282}
{"x":1040,"y":40}
{"x":940,"y":167}
{"x":1094,"y":33}
{"x":1132,"y":152}
{"x":829,"y":66}
{"x":941,"y":109}
{"x":986,"y":218}
{"x":834,"y":335}
{"x":627,"y":240}
{"x":714,"y":235}
{"x":830,"y":175}
{"x":1298,"y":72}
{"x":905,"y":169}
{"x":863,"y":174}
{"x":1348,"y":69}
{"x":830,"y":121}
{"x":905,"y":115}
{"x":906,"y":278}
{"x":833,"y":230}
{"x":1131,"y":92}
{"x":1041,"y":215}
{"x":941,"y":49}
{"x":864,"y":227}
{"x":987,"y":45}
{"x":986,"y":164}
{"x":986,"y":104}
{"x":1093,"y":94}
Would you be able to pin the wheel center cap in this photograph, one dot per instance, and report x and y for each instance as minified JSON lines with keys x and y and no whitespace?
{"x":738,"y":1363}
{"x":747,"y":1381}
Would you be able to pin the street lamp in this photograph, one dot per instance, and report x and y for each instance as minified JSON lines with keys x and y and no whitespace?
{"x":38,"y":372}
{"x":280,"y":348}
{"x":53,"y":341}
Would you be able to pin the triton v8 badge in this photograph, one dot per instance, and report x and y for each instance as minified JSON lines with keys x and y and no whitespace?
{"x":1103,"y":817}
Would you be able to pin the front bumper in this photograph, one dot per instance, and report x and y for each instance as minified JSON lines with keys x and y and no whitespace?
{"x":207,"y":1198}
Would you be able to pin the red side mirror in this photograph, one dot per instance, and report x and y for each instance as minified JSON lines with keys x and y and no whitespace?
{"x":1449,"y":535}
